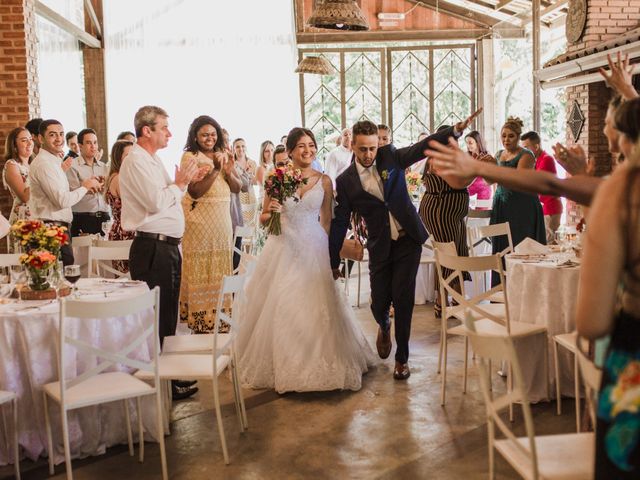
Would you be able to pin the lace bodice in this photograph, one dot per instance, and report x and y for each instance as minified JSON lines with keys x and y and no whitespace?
{"x":304,"y":213}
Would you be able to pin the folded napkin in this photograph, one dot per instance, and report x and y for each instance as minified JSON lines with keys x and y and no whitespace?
{"x":529,"y":246}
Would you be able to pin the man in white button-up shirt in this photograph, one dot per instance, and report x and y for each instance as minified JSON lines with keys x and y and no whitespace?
{"x":339,"y":158}
{"x":151,"y":206}
{"x":92,"y":209}
{"x":51,"y":199}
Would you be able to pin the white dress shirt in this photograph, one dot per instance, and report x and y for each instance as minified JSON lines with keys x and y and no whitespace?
{"x":81,"y":170}
{"x":150,"y":199}
{"x":337,"y":162}
{"x":372,"y":183}
{"x":51,"y":197}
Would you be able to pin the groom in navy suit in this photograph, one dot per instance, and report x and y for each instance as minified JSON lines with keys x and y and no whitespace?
{"x":374,"y":186}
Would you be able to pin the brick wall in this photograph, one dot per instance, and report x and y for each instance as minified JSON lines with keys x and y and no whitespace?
{"x":19,"y":98}
{"x":605,"y":20}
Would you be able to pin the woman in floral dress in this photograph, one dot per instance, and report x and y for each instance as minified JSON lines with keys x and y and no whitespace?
{"x":18,"y":150}
{"x":609,"y":302}
{"x":119,"y":151}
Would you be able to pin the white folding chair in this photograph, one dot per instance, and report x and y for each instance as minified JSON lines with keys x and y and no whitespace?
{"x":95,"y":386}
{"x":210,"y":366}
{"x":100,"y":260}
{"x":80,"y":247}
{"x":490,"y":318}
{"x":477,"y":238}
{"x":247,"y":234}
{"x":591,"y":377}
{"x":6,"y":398}
{"x":567,"y":456}
{"x":9,"y":259}
{"x":567,"y":341}
{"x":203,"y":343}
{"x":113,"y":243}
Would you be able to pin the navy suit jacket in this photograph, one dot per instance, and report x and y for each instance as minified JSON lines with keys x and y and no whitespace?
{"x":391,"y":163}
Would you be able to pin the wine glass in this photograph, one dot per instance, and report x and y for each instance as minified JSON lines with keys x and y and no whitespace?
{"x":72,"y":274}
{"x":19,"y":278}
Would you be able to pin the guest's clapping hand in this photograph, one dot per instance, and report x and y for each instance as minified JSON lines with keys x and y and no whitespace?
{"x":92,"y":184}
{"x":184,"y":175}
{"x":619,"y":76}
{"x":450,"y":160}
{"x":464,"y":124}
{"x":572,"y":159}
{"x":201,"y":173}
{"x":486,"y":158}
{"x":66,"y":165}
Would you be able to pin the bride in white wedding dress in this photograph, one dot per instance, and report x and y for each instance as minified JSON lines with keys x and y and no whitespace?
{"x":297,"y":330}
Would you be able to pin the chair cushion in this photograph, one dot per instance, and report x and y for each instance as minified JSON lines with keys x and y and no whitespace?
{"x":186,"y":366}
{"x":101,"y":388}
{"x":194,"y":343}
{"x":568,"y":457}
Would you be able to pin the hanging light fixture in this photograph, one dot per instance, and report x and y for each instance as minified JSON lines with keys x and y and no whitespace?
{"x":338,"y":15}
{"x":315,"y":65}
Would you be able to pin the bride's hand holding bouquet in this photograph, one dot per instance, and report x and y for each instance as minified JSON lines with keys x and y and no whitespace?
{"x":280,"y":184}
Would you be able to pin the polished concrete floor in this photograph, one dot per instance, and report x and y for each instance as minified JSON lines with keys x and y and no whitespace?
{"x":387,"y":430}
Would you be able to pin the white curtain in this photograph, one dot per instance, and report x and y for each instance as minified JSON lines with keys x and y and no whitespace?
{"x":232,"y":60}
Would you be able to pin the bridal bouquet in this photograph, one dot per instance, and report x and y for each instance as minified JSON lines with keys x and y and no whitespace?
{"x":282,"y":183}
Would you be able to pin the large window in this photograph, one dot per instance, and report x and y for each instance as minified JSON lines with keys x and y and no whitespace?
{"x":412,"y":89}
{"x":61,"y":68}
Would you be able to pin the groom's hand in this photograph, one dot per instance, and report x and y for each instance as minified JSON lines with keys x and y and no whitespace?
{"x":336,"y":273}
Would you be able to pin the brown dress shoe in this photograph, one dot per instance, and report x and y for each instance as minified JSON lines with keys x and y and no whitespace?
{"x":383,"y":343}
{"x":401,"y":371}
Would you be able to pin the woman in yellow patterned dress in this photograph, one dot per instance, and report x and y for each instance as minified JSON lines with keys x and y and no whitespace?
{"x":208,"y":238}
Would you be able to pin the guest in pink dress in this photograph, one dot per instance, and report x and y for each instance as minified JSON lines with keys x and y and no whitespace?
{"x":477,"y":149}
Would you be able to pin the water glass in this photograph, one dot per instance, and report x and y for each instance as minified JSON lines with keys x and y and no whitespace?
{"x":5,"y":282}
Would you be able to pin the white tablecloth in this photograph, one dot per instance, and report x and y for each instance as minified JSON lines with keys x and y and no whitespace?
{"x":543,"y":293}
{"x":28,"y":360}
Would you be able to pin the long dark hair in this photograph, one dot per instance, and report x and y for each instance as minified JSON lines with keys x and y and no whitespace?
{"x":191,"y":144}
{"x":482,"y":149}
{"x":297,"y":133}
{"x":116,"y":160}
{"x":11,"y":144}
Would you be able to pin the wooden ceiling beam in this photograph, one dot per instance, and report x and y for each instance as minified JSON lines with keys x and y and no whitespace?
{"x":407,"y":35}
{"x":461,"y":13}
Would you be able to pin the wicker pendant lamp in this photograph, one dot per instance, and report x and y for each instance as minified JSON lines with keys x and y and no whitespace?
{"x":315,"y":65}
{"x":338,"y":15}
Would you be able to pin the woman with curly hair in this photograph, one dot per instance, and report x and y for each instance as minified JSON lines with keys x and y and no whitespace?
{"x":208,"y":237}
{"x":523,"y":211}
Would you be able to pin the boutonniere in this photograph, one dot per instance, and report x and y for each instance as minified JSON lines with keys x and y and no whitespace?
{"x":384,"y":174}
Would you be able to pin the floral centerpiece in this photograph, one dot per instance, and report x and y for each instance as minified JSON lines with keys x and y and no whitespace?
{"x":41,"y":244}
{"x":414,"y":182}
{"x":282,"y":183}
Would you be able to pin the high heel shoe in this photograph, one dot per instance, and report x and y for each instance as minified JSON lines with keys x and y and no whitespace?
{"x":437,"y":310}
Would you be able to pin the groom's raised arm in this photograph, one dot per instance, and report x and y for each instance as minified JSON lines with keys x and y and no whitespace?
{"x":339,"y":223}
{"x":407,"y":156}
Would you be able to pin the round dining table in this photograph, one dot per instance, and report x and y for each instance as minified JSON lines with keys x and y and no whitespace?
{"x":28,"y":360}
{"x":542,"y":289}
